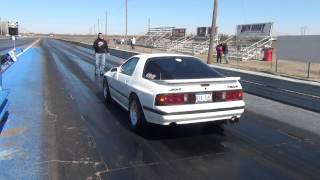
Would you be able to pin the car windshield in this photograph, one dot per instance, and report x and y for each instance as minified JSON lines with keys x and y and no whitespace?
{"x":170,"y":68}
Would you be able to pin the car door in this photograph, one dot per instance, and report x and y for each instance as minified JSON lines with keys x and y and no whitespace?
{"x":124,"y":79}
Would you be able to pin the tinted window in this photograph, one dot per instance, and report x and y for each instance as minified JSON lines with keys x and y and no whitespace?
{"x":166,"y":68}
{"x":129,"y":67}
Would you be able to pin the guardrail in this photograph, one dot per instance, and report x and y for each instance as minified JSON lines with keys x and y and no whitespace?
{"x":3,"y":106}
{"x":4,"y":93}
{"x":305,"y":95}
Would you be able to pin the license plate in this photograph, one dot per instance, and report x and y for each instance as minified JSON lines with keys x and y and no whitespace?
{"x":203,"y":97}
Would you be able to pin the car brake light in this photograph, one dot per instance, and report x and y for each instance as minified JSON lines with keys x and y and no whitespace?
{"x":228,"y":95}
{"x":190,"y":98}
{"x":169,"y":99}
{"x":175,"y":99}
{"x":234,"y":95}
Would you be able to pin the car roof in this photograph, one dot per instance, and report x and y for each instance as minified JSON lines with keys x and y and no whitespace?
{"x":147,"y":56}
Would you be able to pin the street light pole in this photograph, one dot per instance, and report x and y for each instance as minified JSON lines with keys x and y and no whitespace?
{"x":0,"y":27}
{"x":106,"y":28}
{"x":213,"y":32}
{"x":98,"y":25}
{"x":126,"y":33}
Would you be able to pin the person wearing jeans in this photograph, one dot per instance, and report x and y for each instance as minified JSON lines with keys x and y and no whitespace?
{"x":101,"y":48}
{"x":100,"y":63}
{"x":219,"y":50}
{"x":226,"y":52}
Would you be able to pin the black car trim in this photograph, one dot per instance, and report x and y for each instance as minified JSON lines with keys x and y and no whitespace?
{"x":192,"y":112}
{"x":119,"y":92}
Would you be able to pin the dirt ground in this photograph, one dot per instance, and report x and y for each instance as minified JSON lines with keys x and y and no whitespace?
{"x":287,"y":68}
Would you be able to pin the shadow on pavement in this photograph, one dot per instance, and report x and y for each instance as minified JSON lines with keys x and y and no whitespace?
{"x":158,"y":132}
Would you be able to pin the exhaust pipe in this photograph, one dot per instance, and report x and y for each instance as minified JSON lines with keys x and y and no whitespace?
{"x":233,"y":120}
{"x":173,"y":124}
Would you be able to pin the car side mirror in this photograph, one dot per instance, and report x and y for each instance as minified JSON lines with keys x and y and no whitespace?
{"x":114,"y":69}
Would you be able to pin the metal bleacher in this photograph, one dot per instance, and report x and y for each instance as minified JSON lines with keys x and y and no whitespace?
{"x":241,"y":49}
{"x":248,"y":49}
{"x":155,"y":37}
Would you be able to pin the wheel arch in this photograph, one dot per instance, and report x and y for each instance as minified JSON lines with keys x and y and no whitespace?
{"x":132,"y":94}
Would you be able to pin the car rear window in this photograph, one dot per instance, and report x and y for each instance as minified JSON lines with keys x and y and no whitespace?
{"x":169,"y":68}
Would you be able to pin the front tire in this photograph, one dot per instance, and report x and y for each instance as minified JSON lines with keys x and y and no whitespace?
{"x":137,"y":119}
{"x":106,"y":92}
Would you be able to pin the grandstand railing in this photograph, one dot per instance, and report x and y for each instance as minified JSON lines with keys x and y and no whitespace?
{"x":241,"y":49}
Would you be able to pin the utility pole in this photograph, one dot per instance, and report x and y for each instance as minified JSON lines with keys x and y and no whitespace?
{"x":126,"y":32}
{"x":106,"y":28}
{"x":94,"y":29}
{"x":0,"y":27}
{"x":213,"y":32}
{"x":98,"y":25}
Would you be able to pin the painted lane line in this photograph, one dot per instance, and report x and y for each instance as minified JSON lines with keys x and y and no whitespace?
{"x":300,"y":93}
{"x":281,"y":89}
{"x":4,"y":69}
{"x":250,"y":82}
{"x":30,"y":46}
{"x":268,"y":75}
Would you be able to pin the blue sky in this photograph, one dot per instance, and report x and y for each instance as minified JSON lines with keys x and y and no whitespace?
{"x":78,"y":16}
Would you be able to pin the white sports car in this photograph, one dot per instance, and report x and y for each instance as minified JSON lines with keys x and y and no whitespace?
{"x":173,"y":89}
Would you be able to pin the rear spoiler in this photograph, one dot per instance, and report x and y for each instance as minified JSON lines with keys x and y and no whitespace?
{"x":208,"y":80}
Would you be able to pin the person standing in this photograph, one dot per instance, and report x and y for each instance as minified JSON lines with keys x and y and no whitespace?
{"x":219,"y":50}
{"x":226,"y":52}
{"x":100,"y":48}
{"x":133,"y":42}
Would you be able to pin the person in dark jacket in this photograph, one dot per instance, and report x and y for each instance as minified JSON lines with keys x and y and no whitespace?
{"x":219,"y":50}
{"x":100,"y":48}
{"x":226,"y":52}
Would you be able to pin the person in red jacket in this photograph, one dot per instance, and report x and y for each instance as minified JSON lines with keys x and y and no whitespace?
{"x":219,"y":49}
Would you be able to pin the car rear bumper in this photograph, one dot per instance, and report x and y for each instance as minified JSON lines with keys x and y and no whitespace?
{"x":189,"y":117}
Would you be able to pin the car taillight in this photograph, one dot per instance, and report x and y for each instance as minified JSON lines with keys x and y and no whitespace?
{"x":175,"y":99}
{"x":219,"y":96}
{"x":169,"y":99}
{"x":190,"y":98}
{"x":234,"y":95}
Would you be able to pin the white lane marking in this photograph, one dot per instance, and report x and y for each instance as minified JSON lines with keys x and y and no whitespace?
{"x":253,"y":83}
{"x":310,"y":95}
{"x":25,"y":50}
{"x":287,"y":90}
{"x":268,"y":75}
{"x":7,"y":154}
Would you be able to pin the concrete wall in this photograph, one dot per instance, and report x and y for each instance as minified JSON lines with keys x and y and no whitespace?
{"x":299,"y":48}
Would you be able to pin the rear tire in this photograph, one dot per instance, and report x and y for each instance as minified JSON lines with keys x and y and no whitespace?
{"x":106,"y":92}
{"x":137,"y":119}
